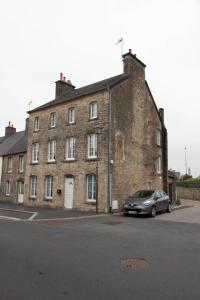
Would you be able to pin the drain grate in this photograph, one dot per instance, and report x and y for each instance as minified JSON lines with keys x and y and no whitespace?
{"x":135,"y":263}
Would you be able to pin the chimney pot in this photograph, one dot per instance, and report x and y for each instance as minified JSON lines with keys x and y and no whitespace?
{"x":130,"y":50}
{"x":64,"y":78}
{"x":61,"y":76}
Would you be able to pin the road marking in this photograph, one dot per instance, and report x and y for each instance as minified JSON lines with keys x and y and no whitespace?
{"x":72,"y":218}
{"x":9,"y":218}
{"x":33,"y":216}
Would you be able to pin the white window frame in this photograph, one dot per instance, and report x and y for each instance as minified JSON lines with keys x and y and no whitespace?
{"x":92,"y":145}
{"x":7,"y":188}
{"x":70,"y":148}
{"x":71,"y":115}
{"x":10,"y":164}
{"x":51,"y":151}
{"x":33,"y":186}
{"x":52,"y":120}
{"x":35,"y":152}
{"x":93,"y":110}
{"x":159,"y":165}
{"x":158,"y":137}
{"x":48,"y":187}
{"x":91,"y":190}
{"x":21,"y":163}
{"x":36,"y":124}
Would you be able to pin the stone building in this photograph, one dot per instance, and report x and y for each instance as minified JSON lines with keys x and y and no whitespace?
{"x":91,"y":147}
{"x":12,"y":165}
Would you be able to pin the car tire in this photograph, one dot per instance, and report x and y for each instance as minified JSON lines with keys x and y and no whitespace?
{"x":153,"y":211}
{"x":169,"y":208}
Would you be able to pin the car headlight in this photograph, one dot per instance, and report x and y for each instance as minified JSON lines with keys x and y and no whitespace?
{"x":147,"y":202}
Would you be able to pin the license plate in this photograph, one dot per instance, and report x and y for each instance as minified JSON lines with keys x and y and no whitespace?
{"x":132,"y":212}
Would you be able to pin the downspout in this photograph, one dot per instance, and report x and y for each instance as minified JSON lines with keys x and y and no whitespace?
{"x":109,"y":150}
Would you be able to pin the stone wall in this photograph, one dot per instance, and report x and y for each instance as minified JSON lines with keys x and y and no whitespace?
{"x":13,"y":177}
{"x":78,"y":168}
{"x":188,"y":193}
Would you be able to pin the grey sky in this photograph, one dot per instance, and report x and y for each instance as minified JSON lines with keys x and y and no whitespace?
{"x":40,"y":39}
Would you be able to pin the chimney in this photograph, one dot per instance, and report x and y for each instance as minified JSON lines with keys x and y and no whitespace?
{"x":63,"y":87}
{"x":161,"y":113}
{"x":26,"y":124}
{"x":9,"y":130}
{"x":132,"y":65}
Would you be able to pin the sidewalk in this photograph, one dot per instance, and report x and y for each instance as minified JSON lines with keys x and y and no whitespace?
{"x":19,"y":211}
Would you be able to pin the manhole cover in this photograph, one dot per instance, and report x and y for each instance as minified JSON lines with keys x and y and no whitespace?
{"x":112,"y":222}
{"x":135,"y":263}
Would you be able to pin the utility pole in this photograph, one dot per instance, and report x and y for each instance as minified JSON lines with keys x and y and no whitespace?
{"x":186,"y":161}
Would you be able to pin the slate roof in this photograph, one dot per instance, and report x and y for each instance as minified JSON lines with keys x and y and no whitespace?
{"x":89,"y":89}
{"x":16,"y":143}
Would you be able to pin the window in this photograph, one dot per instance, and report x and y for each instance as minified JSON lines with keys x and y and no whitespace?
{"x":10,"y":164}
{"x":93,"y":110}
{"x":53,"y":120}
{"x":7,"y":188}
{"x":159,"y":165}
{"x":35,"y":153}
{"x":48,"y":187}
{"x":52,"y":150}
{"x":70,"y":147}
{"x":71,"y":115}
{"x":36,"y":124}
{"x":158,"y":137}
{"x":33,"y":186}
{"x":92,"y":146}
{"x":21,"y":164}
{"x":91,"y":187}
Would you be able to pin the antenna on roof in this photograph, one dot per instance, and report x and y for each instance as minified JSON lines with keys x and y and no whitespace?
{"x":121,"y":41}
{"x":29,"y":105}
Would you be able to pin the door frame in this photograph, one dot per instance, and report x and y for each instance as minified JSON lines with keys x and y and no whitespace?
{"x":20,"y":182}
{"x":73,"y":178}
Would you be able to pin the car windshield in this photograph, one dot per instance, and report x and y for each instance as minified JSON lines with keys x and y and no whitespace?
{"x":142,"y":194}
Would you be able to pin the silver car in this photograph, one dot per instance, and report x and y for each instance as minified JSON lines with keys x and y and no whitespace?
{"x":147,"y":202}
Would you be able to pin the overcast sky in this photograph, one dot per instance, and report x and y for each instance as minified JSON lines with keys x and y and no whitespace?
{"x":40,"y":39}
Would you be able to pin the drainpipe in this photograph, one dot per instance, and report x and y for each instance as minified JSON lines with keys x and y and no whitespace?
{"x":109,"y":150}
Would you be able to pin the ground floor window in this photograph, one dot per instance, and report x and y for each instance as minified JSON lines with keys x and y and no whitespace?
{"x":33,"y":186}
{"x":91,"y":187}
{"x":8,"y":188}
{"x":48,"y":187}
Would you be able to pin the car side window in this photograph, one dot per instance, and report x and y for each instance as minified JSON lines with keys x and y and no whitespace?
{"x":157,"y":195}
{"x":161,"y":194}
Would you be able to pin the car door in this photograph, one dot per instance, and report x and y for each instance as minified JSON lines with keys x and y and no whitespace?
{"x":158,"y":201}
{"x":165,"y":201}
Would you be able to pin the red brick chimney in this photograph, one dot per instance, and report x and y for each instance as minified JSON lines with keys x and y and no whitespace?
{"x":63,"y":87}
{"x":10,"y":129}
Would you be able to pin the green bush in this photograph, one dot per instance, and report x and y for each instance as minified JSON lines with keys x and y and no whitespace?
{"x":178,"y":201}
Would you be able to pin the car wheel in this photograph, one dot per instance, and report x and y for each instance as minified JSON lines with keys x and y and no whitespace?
{"x":169,"y":208}
{"x":153,"y":211}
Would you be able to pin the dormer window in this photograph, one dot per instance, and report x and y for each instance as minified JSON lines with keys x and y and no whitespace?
{"x":53,"y":120}
{"x":93,"y":110}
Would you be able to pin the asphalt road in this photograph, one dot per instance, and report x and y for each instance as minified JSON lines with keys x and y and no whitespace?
{"x":81,"y":259}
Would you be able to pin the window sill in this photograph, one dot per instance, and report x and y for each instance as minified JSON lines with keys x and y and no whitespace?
{"x":92,"y":159}
{"x":36,"y":130}
{"x":51,"y":127}
{"x":32,"y":197}
{"x":69,"y":124}
{"x":7,"y":195}
{"x":9,"y":172}
{"x":93,"y":119}
{"x":48,"y":199}
{"x":69,"y":160}
{"x":91,"y":202}
{"x":35,"y":163}
{"x":51,"y":162}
